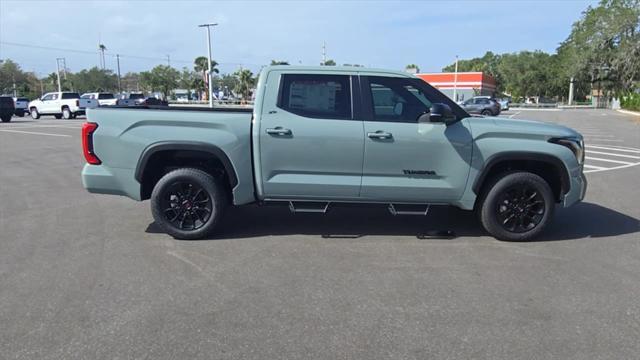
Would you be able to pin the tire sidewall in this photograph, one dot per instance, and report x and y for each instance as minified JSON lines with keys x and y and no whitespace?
{"x":66,"y":114}
{"x":210,"y":184}
{"x":35,"y":115}
{"x":489,"y":219}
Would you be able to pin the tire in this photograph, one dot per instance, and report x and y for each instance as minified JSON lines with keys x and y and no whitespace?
{"x":35,"y":115}
{"x":516,"y":206}
{"x":486,"y":112}
{"x":58,"y":116}
{"x":6,"y":118}
{"x":201,"y":195}
{"x":66,"y":113}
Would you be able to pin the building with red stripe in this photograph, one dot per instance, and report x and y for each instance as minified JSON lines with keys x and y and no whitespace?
{"x":466,"y":84}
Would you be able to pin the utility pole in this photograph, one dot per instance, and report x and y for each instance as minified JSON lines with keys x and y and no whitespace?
{"x":570,"y":101}
{"x":324,"y":53}
{"x":58,"y":73}
{"x":118,"y":62}
{"x":455,"y":82}
{"x":209,"y":72}
{"x":168,"y":60}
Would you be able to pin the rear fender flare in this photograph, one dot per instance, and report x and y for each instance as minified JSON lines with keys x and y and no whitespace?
{"x":186,"y":145}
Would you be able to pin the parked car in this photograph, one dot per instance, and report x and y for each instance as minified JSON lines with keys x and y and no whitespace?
{"x":130,"y":99}
{"x":22,"y":106}
{"x":314,"y":140}
{"x":484,"y":105}
{"x":59,"y":104}
{"x":103,"y":98}
{"x":7,"y":108}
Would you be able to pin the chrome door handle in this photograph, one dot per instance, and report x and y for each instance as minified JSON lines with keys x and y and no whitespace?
{"x":380,"y":135}
{"x":280,"y":131}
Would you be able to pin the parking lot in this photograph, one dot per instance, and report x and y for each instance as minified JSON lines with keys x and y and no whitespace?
{"x":89,"y":276}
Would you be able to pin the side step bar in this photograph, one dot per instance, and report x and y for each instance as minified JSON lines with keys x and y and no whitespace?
{"x":404,"y":209}
{"x":309,"y":207}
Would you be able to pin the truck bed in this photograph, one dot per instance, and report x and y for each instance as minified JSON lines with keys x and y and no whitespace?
{"x":125,"y":134}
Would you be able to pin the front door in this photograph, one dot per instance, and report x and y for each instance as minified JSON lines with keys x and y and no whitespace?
{"x":405,"y":160}
{"x":311,"y":144}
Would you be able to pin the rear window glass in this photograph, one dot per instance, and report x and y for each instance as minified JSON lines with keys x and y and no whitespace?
{"x":136,"y":96}
{"x":316,"y":96}
{"x":70,"y":96}
{"x":22,"y":99}
{"x":105,"y":96}
{"x":6,"y":100}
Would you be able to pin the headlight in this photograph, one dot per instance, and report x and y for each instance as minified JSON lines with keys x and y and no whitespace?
{"x":575,"y":145}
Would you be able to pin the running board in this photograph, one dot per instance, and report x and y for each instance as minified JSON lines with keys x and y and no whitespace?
{"x":309,"y":207}
{"x":406,"y":209}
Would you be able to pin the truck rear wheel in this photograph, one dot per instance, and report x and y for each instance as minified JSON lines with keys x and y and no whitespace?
{"x":5,"y":118}
{"x":66,"y":113}
{"x":188,"y":203}
{"x":517,"y":206}
{"x":35,"y":115}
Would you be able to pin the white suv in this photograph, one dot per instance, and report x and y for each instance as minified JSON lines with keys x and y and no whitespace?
{"x":59,"y":104}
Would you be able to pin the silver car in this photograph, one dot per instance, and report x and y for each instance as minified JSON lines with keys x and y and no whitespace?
{"x":484,"y":105}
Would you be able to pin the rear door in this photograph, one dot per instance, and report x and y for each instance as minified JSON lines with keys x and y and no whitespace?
{"x":311,"y":141}
{"x":408,"y":161}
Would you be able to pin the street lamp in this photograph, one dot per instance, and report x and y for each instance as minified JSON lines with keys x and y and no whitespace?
{"x":208,"y":26}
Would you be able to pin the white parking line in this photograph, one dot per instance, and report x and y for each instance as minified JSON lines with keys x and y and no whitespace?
{"x":618,"y":148}
{"x":511,"y":116}
{"x":612,"y":154}
{"x":608,"y":160}
{"x":33,"y":133}
{"x":595,"y":167}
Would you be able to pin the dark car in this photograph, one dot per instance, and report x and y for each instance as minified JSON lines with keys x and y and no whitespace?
{"x":7,"y":108}
{"x":484,"y":105}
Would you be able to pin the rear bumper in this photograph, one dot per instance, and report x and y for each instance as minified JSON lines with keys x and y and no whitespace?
{"x":100,"y":179}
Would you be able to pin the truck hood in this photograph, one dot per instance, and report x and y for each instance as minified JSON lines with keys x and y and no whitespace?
{"x":491,"y":124}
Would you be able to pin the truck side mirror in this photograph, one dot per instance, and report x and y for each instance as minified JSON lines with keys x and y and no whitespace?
{"x":441,"y":113}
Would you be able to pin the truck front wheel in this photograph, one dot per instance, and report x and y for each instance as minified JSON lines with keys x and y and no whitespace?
{"x":188,"y":203}
{"x":517,"y":206}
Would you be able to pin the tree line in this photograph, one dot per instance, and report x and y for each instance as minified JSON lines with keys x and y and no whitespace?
{"x":601,"y":53}
{"x":161,"y":78}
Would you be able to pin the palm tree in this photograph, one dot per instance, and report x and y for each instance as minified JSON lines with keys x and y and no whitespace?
{"x":412,"y":68}
{"x":200,"y":65}
{"x":245,"y":82}
{"x":102,"y":49}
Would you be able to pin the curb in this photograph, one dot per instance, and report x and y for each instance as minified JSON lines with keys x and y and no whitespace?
{"x":629,"y":112}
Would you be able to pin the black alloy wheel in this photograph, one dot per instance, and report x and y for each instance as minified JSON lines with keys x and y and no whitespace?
{"x":186,"y":205}
{"x":520,"y":208}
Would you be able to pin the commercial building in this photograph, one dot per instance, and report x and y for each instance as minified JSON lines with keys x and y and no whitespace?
{"x":464,"y":84}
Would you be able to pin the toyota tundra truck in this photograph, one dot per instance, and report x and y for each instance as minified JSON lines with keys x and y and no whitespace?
{"x":318,"y":137}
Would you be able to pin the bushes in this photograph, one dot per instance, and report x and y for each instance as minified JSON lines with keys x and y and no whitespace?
{"x":630,"y":101}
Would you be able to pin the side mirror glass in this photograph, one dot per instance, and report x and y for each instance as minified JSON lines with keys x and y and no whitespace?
{"x":441,"y":113}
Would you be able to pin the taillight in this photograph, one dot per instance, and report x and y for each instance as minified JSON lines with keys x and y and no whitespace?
{"x":78,"y":103}
{"x":87,"y":143}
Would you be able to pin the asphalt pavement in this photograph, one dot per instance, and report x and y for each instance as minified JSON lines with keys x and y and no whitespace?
{"x":86,"y":276}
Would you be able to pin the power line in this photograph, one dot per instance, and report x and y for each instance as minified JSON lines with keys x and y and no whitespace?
{"x":114,"y":55}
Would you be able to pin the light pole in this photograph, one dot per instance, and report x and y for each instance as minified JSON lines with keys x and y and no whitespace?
{"x":209,"y":72}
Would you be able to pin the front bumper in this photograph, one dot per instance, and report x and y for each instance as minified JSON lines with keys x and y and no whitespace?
{"x":578,"y":190}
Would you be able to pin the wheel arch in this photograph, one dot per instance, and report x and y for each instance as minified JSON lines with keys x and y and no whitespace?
{"x":147,"y":173}
{"x":547,"y":166}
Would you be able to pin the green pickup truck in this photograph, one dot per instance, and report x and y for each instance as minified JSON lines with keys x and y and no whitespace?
{"x":322,"y":136}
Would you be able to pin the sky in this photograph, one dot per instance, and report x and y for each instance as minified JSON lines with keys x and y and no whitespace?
{"x":383,"y":34}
